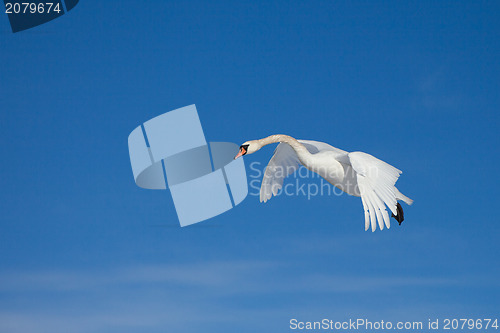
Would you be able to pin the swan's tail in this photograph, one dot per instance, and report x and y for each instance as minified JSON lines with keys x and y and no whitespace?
{"x":401,"y":196}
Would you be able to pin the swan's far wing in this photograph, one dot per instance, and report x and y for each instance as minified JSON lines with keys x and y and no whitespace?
{"x":316,"y":146}
{"x":376,"y":181}
{"x":283,"y":163}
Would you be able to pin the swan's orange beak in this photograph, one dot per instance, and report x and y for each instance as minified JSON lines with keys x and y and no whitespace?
{"x":242,"y":152}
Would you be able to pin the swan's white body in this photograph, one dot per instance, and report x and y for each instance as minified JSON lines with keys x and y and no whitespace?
{"x":357,"y":173}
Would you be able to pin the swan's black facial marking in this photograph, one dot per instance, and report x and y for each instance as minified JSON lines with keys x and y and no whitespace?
{"x":244,"y":148}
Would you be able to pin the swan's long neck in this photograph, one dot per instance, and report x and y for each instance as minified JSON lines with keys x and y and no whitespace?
{"x":299,"y":148}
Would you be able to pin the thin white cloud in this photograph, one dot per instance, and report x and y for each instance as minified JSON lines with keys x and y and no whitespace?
{"x":218,"y":276}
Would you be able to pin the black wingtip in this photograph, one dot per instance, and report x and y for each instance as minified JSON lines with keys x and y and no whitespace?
{"x":401,"y":216}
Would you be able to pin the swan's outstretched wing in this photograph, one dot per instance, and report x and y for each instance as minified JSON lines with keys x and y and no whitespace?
{"x":283,"y":163}
{"x":376,"y":181}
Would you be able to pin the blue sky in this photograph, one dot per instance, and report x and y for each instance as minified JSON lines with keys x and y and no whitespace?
{"x":83,"y":249}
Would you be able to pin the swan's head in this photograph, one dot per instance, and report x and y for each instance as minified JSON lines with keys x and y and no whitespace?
{"x":248,"y":147}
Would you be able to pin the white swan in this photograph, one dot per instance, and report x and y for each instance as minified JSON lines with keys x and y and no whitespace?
{"x":358,"y":174}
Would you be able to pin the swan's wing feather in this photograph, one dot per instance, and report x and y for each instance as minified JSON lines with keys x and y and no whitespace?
{"x":376,"y":181}
{"x":283,"y":163}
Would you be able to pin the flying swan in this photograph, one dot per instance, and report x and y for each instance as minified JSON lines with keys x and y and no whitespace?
{"x":357,"y":173}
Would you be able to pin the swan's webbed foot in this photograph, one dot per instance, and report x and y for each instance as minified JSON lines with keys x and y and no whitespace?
{"x":401,"y":216}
